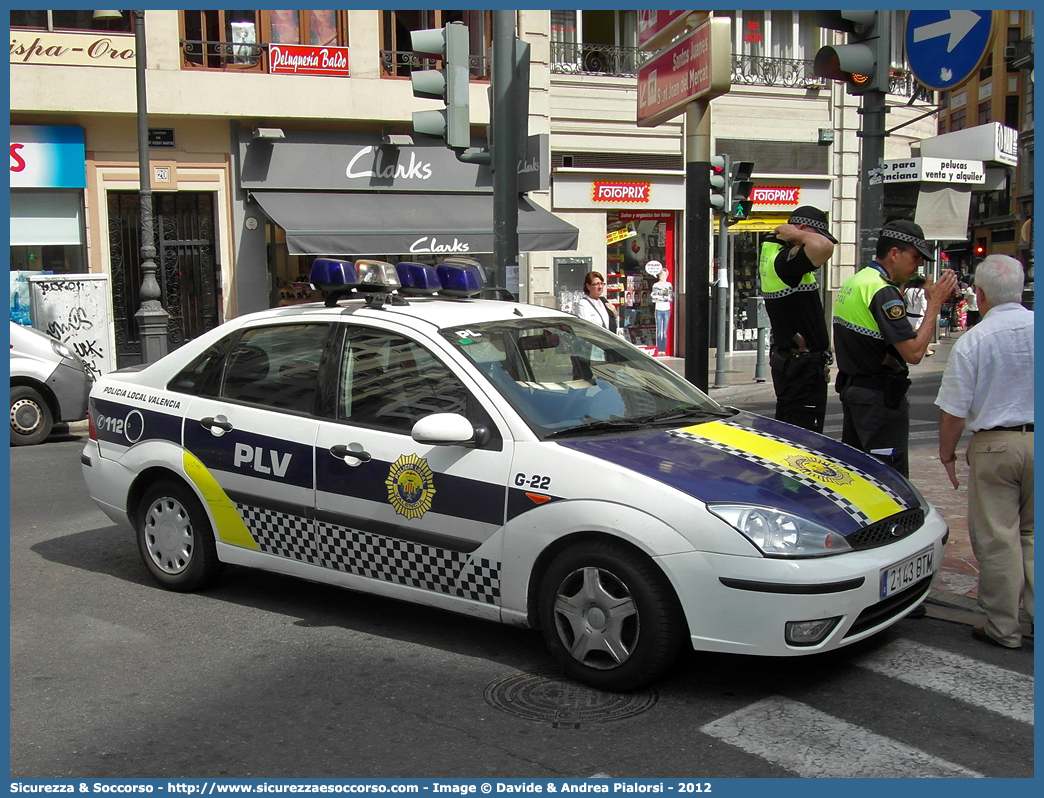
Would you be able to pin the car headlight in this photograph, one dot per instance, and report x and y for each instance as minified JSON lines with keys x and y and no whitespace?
{"x":777,"y":533}
{"x":62,"y":350}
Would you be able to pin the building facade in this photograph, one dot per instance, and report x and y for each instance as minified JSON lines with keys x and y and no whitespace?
{"x":276,"y":136}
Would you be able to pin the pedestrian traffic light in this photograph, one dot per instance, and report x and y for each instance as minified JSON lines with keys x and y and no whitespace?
{"x":450,"y":84}
{"x":740,"y":202}
{"x":720,"y":183}
{"x":862,"y":64}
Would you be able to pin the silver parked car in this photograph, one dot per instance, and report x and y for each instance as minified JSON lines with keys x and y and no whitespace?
{"x":49,"y":384}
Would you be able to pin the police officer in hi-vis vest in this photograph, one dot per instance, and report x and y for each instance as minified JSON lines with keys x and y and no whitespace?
{"x":800,"y":356}
{"x":874,"y":342}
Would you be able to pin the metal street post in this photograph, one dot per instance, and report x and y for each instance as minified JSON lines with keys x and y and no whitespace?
{"x":505,"y":150}
{"x":871,"y":192}
{"x":722,"y":289}
{"x":697,"y":242}
{"x":151,"y":317}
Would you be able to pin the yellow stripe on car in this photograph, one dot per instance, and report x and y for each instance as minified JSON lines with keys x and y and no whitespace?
{"x":855,"y":488}
{"x":230,"y":526}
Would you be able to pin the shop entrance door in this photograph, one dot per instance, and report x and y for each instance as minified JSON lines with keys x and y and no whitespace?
{"x":187,"y":268}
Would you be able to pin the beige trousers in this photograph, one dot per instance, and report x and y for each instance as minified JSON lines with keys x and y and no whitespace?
{"x":1000,"y":522}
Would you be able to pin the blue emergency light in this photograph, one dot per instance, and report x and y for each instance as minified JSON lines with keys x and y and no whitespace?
{"x":417,"y":279}
{"x":460,"y":278}
{"x":330,"y":274}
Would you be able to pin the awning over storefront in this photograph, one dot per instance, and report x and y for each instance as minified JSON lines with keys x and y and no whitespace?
{"x":370,"y":223}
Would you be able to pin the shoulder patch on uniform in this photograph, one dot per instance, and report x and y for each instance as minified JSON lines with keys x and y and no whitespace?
{"x":793,"y":252}
{"x":895,"y":309}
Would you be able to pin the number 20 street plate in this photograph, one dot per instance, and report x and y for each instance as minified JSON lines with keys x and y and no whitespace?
{"x":896,"y":577}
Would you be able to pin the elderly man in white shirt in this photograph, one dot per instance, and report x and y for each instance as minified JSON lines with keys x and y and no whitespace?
{"x":987,"y":388}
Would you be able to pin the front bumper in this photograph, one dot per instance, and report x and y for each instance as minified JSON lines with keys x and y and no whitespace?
{"x":741,"y":605}
{"x":71,"y":386}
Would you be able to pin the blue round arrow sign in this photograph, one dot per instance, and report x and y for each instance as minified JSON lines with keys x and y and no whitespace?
{"x":944,"y":48}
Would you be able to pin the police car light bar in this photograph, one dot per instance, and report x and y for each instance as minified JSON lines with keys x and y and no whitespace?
{"x":381,"y":281}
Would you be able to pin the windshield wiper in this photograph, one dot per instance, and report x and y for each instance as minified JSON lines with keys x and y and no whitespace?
{"x":684,"y":412}
{"x":596,"y":425}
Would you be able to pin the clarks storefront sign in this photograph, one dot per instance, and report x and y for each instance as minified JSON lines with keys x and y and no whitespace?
{"x":72,"y":49}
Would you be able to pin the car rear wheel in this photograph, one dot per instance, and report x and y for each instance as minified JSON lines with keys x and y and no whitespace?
{"x":175,"y":538}
{"x":31,"y":419}
{"x":609,"y":616}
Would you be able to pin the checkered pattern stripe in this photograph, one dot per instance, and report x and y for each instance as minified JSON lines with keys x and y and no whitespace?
{"x":279,"y":533}
{"x":794,"y":290}
{"x":850,"y":509}
{"x":481,"y":581}
{"x":920,"y":243}
{"x":816,"y":223}
{"x":858,"y":329}
{"x":881,"y":486}
{"x":408,"y":563}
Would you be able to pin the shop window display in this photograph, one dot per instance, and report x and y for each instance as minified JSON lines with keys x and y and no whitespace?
{"x":634,"y":240}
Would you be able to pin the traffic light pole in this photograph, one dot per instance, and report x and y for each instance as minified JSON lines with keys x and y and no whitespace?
{"x":722,"y":286}
{"x":505,"y":150}
{"x":697,"y":242}
{"x":871,"y":196}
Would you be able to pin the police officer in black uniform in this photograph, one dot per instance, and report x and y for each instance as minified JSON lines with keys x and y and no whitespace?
{"x":800,"y":355}
{"x":875,"y":341}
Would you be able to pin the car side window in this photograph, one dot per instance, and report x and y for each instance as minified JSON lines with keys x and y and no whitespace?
{"x":275,"y":366}
{"x":196,"y":374}
{"x":390,"y":382}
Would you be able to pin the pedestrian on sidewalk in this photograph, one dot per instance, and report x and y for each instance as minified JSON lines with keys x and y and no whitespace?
{"x":593,"y":305}
{"x":916,"y":303}
{"x":875,"y":343}
{"x":800,"y":357}
{"x":987,"y":387}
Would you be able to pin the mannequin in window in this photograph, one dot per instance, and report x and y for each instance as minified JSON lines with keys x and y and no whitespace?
{"x":593,"y":306}
{"x":662,"y":296}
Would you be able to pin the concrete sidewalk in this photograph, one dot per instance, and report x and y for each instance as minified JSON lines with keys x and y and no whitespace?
{"x":953,"y":595}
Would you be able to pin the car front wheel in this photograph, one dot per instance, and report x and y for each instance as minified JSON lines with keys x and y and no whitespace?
{"x":175,"y":538}
{"x":31,"y":419}
{"x":609,"y":616}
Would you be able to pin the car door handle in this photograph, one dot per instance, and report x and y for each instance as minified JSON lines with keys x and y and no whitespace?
{"x":220,"y":423}
{"x":340,"y":451}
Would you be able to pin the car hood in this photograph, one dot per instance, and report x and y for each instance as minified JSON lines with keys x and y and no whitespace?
{"x":749,"y":459}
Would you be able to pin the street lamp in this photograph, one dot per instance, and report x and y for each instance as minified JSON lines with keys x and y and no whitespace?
{"x":151,"y":317}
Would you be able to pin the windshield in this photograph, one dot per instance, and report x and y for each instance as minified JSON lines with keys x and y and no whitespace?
{"x":568,"y":377}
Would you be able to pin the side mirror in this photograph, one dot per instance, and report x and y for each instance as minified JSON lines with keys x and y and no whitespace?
{"x":448,"y":429}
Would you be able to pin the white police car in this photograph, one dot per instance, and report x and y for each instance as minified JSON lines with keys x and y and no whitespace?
{"x":505,"y":461}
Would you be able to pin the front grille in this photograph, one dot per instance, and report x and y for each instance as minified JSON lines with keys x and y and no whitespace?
{"x":893,"y":528}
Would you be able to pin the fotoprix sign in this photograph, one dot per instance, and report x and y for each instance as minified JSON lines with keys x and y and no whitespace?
{"x":47,"y":157}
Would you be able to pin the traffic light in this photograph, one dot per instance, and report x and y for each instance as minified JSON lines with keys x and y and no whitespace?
{"x":450,"y":84}
{"x":740,"y":202}
{"x":863,"y":64}
{"x":720,"y":184}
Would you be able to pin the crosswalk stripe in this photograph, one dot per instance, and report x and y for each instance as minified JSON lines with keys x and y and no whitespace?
{"x":969,"y":680}
{"x":813,"y":744}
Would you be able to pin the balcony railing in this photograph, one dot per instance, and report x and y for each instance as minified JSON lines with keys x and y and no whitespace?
{"x":402,"y":62}
{"x":905,"y":85}
{"x":572,"y":58}
{"x":761,"y":70}
{"x":224,"y":55}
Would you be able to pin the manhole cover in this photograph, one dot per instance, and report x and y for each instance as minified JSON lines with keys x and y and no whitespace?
{"x":564,"y":703}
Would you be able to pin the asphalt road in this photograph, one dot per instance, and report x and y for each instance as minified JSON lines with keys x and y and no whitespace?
{"x":269,"y":676}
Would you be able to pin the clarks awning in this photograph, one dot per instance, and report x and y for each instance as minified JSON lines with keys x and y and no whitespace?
{"x":371,"y":223}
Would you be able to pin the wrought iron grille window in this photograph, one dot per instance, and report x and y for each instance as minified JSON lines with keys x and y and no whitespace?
{"x":397,"y":57}
{"x":759,"y":70}
{"x":238,"y":40}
